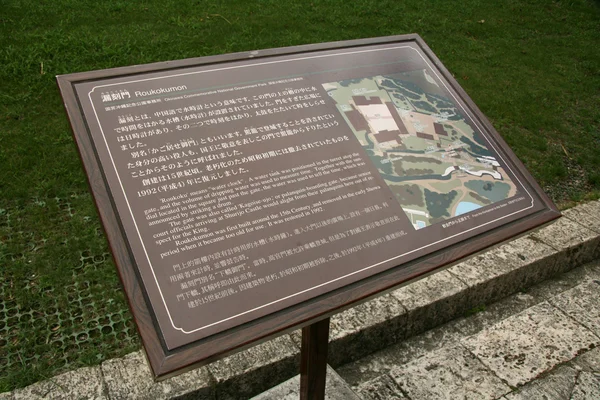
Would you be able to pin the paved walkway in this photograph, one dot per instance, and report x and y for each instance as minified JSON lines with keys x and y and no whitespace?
{"x":532,"y":331}
{"x":540,"y":344}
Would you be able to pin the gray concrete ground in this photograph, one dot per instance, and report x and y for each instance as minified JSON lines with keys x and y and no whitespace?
{"x":537,"y":344}
{"x":532,"y":329}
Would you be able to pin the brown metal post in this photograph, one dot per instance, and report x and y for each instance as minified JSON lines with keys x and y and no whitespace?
{"x":313,"y":360}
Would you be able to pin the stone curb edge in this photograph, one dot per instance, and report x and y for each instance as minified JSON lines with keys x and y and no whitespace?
{"x":405,"y":312}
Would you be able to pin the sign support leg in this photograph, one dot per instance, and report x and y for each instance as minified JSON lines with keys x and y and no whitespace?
{"x":313,"y":360}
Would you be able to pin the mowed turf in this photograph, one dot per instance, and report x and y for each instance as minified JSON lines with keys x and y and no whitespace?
{"x":533,"y":67}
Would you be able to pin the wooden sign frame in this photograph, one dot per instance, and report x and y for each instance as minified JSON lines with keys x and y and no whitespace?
{"x":164,"y":362}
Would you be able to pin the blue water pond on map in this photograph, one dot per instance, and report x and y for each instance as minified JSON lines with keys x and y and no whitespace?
{"x":465,"y":207}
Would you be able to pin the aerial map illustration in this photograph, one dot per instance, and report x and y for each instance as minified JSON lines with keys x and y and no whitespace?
{"x":436,"y":165}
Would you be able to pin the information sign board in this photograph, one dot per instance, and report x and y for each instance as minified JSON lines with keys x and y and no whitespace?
{"x":244,"y":195}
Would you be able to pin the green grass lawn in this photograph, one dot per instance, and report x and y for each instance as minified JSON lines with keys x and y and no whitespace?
{"x":533,"y":67}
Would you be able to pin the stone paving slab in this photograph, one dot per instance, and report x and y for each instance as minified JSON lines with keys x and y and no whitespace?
{"x":382,"y":322}
{"x":380,"y":363}
{"x":587,"y":215}
{"x":590,"y":361}
{"x":484,"y":316}
{"x":380,"y":388}
{"x":84,"y":383}
{"x":587,"y":387}
{"x":529,"y":343}
{"x":576,"y":244}
{"x":565,"y":281}
{"x":450,"y":373}
{"x":431,"y":301}
{"x":363,"y":329}
{"x":582,"y":303}
{"x":129,"y":377}
{"x":335,"y":389}
{"x":251,"y":371}
{"x":556,"y":386}
{"x":506,"y":269}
